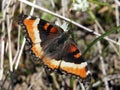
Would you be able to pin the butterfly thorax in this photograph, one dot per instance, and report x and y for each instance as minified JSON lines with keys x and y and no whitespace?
{"x":55,"y":47}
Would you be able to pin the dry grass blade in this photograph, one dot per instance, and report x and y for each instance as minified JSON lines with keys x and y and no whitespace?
{"x":100,"y":25}
{"x":102,"y":62}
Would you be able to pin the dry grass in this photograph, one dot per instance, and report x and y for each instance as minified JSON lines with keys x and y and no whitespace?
{"x":19,"y":72}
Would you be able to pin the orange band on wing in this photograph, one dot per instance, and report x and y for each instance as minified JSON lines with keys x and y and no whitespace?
{"x":51,"y":63}
{"x":29,"y":26}
{"x":81,"y":72}
{"x":46,"y":26}
{"x":37,"y":49}
{"x":53,"y":30}
{"x":73,"y":48}
{"x":74,"y":69}
{"x":77,"y":55}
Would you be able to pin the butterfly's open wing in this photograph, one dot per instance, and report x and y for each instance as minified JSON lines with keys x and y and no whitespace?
{"x":73,"y":62}
{"x":38,"y":33}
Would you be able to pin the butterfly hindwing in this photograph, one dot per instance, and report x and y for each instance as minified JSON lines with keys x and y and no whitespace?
{"x":73,"y":62}
{"x":66,"y":57}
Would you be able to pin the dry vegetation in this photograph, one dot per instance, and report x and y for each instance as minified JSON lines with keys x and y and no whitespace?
{"x":20,"y":72}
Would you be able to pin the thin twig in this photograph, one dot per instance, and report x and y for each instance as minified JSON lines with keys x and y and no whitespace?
{"x":82,"y":86}
{"x":52,"y":3}
{"x":2,"y":50}
{"x":2,"y":85}
{"x":2,"y":56}
{"x":9,"y":27}
{"x":20,"y":53}
{"x":117,"y":2}
{"x":102,"y":62}
{"x":2,"y":42}
{"x":103,"y":31}
{"x":18,"y":42}
{"x":24,"y":41}
{"x":109,"y":77}
{"x":54,"y":80}
{"x":117,"y":16}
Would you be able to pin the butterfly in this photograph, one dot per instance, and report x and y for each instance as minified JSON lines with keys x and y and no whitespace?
{"x":53,"y":46}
